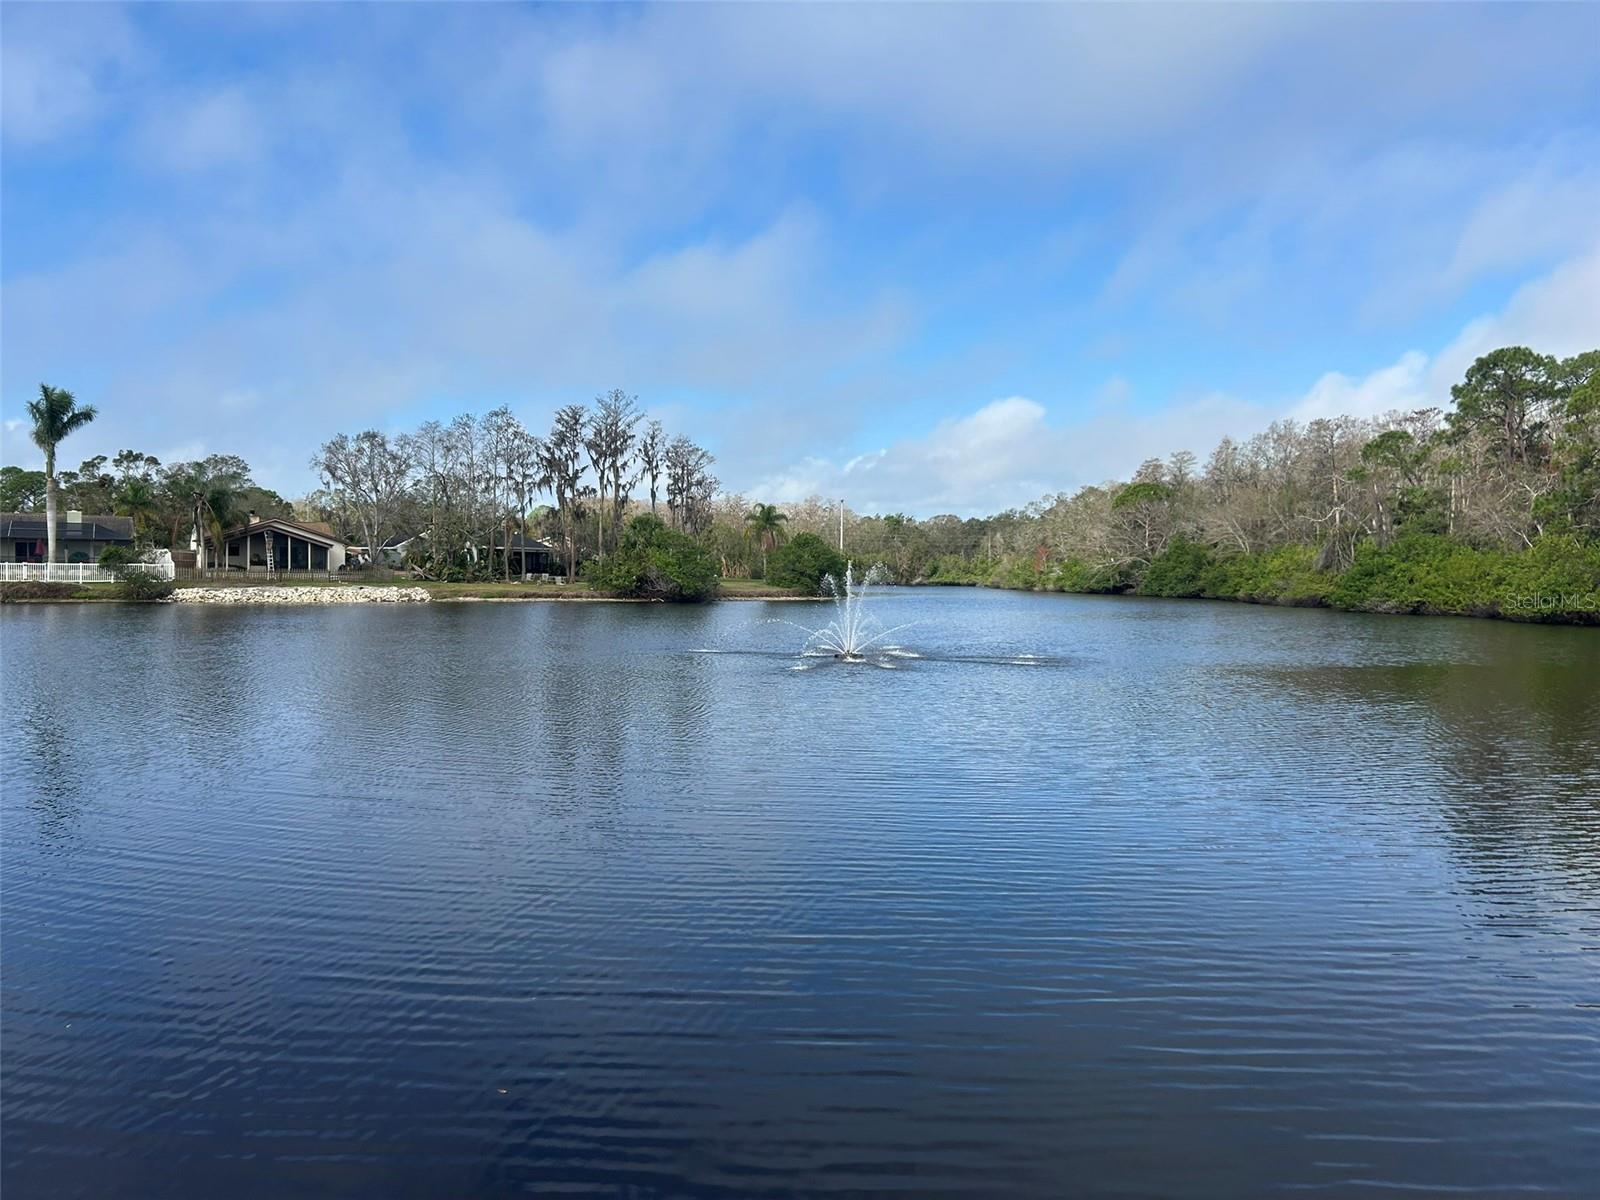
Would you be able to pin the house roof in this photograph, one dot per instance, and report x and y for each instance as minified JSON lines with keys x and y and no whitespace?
{"x":519,"y":543}
{"x":316,"y":531}
{"x":93,"y":528}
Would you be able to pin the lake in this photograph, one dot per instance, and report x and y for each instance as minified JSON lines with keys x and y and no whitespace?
{"x":1206,"y":900}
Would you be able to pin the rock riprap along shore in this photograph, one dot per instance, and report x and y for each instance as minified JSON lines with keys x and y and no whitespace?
{"x":302,"y":595}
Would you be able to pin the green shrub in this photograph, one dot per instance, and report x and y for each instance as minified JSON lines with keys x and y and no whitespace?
{"x":1075,"y":575}
{"x":1416,"y":574}
{"x":802,"y":561}
{"x":654,"y":562}
{"x":953,"y":569}
{"x":1022,"y":575}
{"x":142,"y":587}
{"x":139,"y":586}
{"x":1285,"y":575}
{"x":1179,"y":570}
{"x":1558,"y":578}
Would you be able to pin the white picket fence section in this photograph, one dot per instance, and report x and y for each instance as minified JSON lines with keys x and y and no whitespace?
{"x":11,"y":572}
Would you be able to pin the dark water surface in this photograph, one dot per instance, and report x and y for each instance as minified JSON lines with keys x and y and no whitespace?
{"x":473,"y":899}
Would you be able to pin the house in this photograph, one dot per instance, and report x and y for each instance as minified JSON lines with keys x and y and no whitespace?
{"x":276,"y":544}
{"x":79,"y":539}
{"x":529,"y":556}
{"x":394,"y":550}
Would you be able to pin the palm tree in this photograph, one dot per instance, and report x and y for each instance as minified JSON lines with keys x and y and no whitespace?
{"x":216,"y":508}
{"x":138,"y":500}
{"x":212,"y":500}
{"x":55,"y":415}
{"x":764,"y":526}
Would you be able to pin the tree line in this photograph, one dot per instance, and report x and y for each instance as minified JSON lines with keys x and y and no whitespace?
{"x":164,"y":501}
{"x":1510,"y":468}
{"x":1488,"y":502}
{"x":464,"y":489}
{"x":458,"y":491}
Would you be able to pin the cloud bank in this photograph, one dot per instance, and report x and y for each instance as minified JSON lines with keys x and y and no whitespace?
{"x":822,"y":240}
{"x":1009,"y":452}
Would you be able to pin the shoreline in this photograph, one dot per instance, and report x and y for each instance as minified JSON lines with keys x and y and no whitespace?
{"x":340,"y":593}
{"x":331,"y":593}
{"x":1575,"y":617}
{"x":736,"y":599}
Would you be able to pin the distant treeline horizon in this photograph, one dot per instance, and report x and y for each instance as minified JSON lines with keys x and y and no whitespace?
{"x":1513,"y":462}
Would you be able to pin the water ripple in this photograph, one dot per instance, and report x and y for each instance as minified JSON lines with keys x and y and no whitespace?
{"x":1155,"y":898}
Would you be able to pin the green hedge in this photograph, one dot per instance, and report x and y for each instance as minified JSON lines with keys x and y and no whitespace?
{"x":1181,"y":570}
{"x":657,"y":563}
{"x":1557,"y":579}
{"x":1286,"y":575}
{"x":801,"y":562}
{"x":1074,"y":575}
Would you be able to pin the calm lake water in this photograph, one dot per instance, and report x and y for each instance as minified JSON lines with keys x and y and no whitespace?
{"x":472,"y":899}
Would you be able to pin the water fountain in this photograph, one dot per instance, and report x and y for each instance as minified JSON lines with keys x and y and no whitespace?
{"x":854,"y":635}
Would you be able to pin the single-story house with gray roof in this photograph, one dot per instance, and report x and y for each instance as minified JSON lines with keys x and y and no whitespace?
{"x":25,"y":538}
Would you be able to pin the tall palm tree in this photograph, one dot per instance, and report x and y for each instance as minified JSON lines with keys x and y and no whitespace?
{"x":55,"y":415}
{"x":216,"y":508}
{"x":137,"y":499}
{"x":764,"y":526}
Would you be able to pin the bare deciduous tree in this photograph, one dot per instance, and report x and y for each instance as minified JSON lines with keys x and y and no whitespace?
{"x":690,"y":484}
{"x":373,"y":473}
{"x":561,"y":474}
{"x":653,"y":457}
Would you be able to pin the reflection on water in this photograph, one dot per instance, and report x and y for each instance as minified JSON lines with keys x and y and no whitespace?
{"x":1512,"y":749}
{"x":1093,"y":895}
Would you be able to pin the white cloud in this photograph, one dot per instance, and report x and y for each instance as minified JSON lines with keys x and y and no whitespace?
{"x":663,"y":198}
{"x":60,"y":66}
{"x":1556,"y":314}
{"x":190,"y":451}
{"x":219,"y":129}
{"x":1010,"y":451}
{"x":1402,"y":386}
{"x":1004,"y":448}
{"x":1379,"y":234}
{"x":391,"y":290}
{"x":1006,"y":454}
{"x":1545,"y":206}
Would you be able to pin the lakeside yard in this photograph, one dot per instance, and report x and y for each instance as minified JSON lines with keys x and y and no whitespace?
{"x":731,"y":589}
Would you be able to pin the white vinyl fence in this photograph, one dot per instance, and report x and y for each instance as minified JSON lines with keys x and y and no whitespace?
{"x":11,"y":572}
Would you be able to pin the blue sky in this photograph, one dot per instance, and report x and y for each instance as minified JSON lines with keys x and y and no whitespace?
{"x":929,"y":258}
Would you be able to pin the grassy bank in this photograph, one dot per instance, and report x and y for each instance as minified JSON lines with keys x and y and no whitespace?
{"x":1557,"y":580}
{"x":754,"y":589}
{"x":39,"y":592}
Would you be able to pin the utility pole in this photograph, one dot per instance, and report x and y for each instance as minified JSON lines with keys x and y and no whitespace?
{"x":841,"y":526}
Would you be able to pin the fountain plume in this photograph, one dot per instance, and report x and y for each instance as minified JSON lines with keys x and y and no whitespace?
{"x":854,"y":631}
